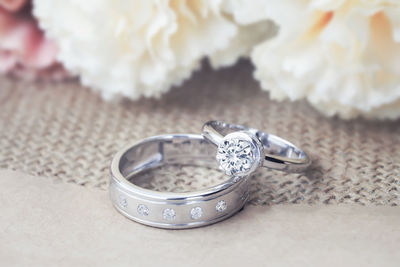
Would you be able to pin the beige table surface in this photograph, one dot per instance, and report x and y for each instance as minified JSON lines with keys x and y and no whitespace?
{"x":48,"y":224}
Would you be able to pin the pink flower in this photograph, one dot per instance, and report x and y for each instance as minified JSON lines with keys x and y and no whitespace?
{"x":24,"y":50}
{"x":13,"y":5}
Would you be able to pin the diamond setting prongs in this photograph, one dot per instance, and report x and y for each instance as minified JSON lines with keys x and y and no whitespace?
{"x":196,"y":213}
{"x":221,"y":206}
{"x":239,"y":154}
{"x":143,"y":210}
{"x":169,"y":214}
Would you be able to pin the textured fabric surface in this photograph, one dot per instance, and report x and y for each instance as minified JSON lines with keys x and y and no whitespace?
{"x":68,"y":132}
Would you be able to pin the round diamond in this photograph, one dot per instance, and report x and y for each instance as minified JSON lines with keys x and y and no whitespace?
{"x":123,"y":202}
{"x":236,"y":156}
{"x":221,"y":206}
{"x":169,"y":214}
{"x":143,"y":210}
{"x":196,"y":213}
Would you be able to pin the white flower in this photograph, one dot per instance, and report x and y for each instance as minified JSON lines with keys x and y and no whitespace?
{"x":141,"y":47}
{"x":343,"y":56}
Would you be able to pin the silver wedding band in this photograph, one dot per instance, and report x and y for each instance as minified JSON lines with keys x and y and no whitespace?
{"x":166,"y":209}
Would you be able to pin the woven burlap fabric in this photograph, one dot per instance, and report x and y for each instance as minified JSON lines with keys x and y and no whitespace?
{"x":69,"y":133}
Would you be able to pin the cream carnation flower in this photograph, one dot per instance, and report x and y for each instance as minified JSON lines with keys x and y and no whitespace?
{"x":141,"y":47}
{"x":342,"y":56}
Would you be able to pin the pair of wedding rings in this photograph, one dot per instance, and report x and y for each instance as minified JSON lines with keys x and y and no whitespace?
{"x":235,"y":149}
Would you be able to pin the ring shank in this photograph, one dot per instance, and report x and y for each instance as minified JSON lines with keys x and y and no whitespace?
{"x":279,"y":153}
{"x":131,"y":162}
{"x":156,"y":152}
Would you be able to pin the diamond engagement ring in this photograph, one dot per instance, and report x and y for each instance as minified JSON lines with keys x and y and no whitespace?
{"x":241,"y":150}
{"x":167,"y":209}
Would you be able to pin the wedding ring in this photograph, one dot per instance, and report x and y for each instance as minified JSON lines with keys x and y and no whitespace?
{"x":167,"y":209}
{"x":241,"y":150}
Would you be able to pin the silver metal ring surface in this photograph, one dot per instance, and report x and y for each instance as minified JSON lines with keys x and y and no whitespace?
{"x":241,"y":149}
{"x":167,"y":209}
